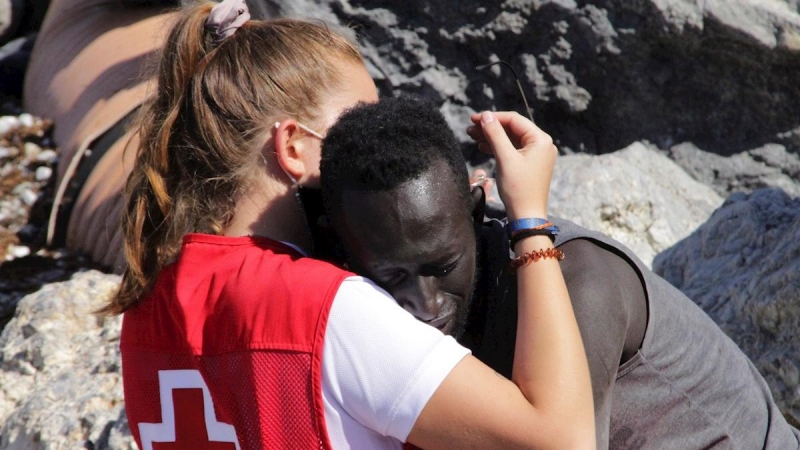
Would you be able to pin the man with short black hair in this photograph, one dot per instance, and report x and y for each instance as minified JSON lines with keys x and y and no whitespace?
{"x":664,"y":375}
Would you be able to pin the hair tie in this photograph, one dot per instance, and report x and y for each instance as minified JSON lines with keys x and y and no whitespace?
{"x":226,"y":17}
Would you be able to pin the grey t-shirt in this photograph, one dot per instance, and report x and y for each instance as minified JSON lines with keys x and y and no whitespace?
{"x":687,"y":387}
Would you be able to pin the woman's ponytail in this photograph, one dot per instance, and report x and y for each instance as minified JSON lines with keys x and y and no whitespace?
{"x":202,"y":133}
{"x":148,"y":203}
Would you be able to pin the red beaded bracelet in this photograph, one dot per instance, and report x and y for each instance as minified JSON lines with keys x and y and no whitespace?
{"x":534,"y":256}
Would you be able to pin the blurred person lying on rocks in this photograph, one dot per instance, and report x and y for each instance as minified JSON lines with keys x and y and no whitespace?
{"x":233,"y":334}
{"x":664,"y":375}
{"x":90,"y":71}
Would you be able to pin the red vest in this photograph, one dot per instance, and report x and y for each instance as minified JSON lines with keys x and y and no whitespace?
{"x":226,"y":350}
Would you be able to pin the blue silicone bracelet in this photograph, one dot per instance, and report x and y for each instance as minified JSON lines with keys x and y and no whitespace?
{"x":524,"y":224}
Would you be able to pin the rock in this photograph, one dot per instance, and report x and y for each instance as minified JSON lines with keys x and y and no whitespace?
{"x":768,"y":166}
{"x":28,"y":196}
{"x":26,"y":120}
{"x":43,"y":173}
{"x":18,"y":251}
{"x":635,"y":195}
{"x":60,"y":381}
{"x":32,"y":151}
{"x":8,"y":123}
{"x":47,"y":156}
{"x":26,"y":183}
{"x":743,"y":268}
{"x":599,"y":75}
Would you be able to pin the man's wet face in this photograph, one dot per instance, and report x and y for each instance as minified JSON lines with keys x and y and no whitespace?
{"x":417,"y":242}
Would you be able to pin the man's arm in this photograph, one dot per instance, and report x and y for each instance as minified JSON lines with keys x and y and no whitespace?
{"x":611,"y":309}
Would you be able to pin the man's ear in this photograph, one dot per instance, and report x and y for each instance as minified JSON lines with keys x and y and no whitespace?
{"x":328,"y":246}
{"x":289,"y":148}
{"x":478,"y":203}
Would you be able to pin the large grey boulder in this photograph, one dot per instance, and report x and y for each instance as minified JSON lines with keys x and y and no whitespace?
{"x":636,"y":195}
{"x":743,"y":268}
{"x":599,"y":75}
{"x":770,"y":166}
{"x":60,"y":381}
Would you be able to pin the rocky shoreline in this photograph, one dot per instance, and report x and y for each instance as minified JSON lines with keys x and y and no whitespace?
{"x":28,"y":160}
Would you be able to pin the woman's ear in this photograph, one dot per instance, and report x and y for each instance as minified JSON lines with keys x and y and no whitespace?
{"x":291,"y":149}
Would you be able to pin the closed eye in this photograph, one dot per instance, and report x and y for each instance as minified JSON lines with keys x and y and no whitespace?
{"x":440,"y":271}
{"x":393,"y":278}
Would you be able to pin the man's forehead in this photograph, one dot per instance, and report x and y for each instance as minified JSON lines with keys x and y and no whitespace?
{"x":416,"y":204}
{"x":420,"y":214}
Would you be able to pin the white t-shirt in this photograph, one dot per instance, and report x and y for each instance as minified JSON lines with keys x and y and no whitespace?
{"x":380,"y":367}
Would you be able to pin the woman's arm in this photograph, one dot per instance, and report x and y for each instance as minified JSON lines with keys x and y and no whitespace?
{"x":548,"y":402}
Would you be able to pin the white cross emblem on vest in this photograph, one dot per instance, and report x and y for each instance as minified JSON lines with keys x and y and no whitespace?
{"x":168,"y":381}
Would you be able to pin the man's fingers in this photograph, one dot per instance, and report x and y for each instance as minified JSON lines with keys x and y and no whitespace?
{"x":475,"y":132}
